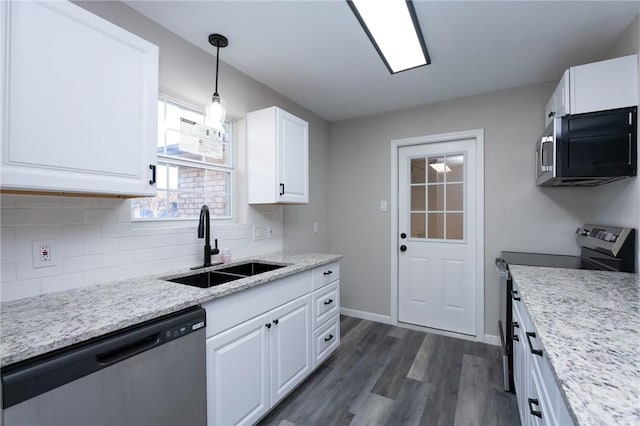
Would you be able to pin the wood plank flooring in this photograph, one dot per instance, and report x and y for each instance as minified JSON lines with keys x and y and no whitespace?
{"x":385,"y":375}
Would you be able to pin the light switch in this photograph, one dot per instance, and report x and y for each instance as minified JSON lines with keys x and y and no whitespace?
{"x":383,"y":206}
{"x":315,"y":226}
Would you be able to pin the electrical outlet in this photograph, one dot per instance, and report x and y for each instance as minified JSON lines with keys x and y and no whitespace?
{"x":259,"y":233}
{"x":269,"y":231}
{"x":44,"y":253}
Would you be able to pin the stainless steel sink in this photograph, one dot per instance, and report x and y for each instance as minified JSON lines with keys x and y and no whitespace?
{"x":206,"y":279}
{"x":224,"y":275}
{"x":250,"y":269}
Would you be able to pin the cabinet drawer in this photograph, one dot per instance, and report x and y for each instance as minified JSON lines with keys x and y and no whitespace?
{"x":326,"y":303}
{"x":325,"y":340}
{"x":325,"y":274}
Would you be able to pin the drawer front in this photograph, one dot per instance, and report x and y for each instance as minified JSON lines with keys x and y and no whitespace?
{"x":326,"y":303}
{"x":325,"y":340}
{"x":323,"y":275}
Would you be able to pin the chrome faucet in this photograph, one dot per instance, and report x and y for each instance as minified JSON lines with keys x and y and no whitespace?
{"x":204,"y":231}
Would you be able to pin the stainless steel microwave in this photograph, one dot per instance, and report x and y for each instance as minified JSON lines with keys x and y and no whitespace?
{"x":588,"y":149}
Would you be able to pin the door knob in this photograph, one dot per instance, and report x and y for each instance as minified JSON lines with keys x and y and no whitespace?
{"x":403,"y":248}
{"x":403,"y":235}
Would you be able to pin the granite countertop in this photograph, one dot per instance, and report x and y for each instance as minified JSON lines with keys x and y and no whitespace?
{"x":37,"y":325}
{"x":589,"y":326}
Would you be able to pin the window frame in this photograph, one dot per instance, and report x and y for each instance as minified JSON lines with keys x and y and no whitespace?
{"x":169,"y":160}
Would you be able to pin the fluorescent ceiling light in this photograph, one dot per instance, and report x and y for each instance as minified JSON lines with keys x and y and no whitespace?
{"x":440,"y":167}
{"x":392,"y":27}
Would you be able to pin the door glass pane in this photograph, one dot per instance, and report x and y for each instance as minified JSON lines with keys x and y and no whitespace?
{"x":455,"y":226}
{"x":417,"y":170}
{"x":436,"y":197}
{"x":455,"y":164}
{"x":417,"y":225}
{"x":417,"y":198}
{"x":436,"y":225}
{"x":454,"y":197}
{"x":436,"y":170}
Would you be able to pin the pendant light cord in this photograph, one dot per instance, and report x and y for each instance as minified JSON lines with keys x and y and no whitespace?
{"x":217,"y":61}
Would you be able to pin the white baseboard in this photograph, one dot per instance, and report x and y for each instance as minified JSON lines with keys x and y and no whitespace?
{"x":385,"y":319}
{"x":490,"y":339}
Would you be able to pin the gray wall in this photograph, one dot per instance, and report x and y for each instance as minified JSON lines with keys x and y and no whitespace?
{"x":518,"y":215}
{"x":619,"y":203}
{"x":187,"y":73}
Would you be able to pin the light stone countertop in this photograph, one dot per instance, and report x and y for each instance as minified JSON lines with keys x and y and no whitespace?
{"x":36,"y":325}
{"x":588,"y":323}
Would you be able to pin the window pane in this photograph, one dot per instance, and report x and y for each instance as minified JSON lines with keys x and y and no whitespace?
{"x":436,"y":225}
{"x":436,"y":169}
{"x":417,"y":170}
{"x":455,"y":226}
{"x":436,"y":197}
{"x":455,"y":164}
{"x":417,"y":198}
{"x":455,"y":196}
{"x":417,"y":225}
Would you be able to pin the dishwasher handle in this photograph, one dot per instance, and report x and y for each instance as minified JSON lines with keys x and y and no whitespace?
{"x":128,"y":350}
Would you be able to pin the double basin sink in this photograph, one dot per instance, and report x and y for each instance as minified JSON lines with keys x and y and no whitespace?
{"x":224,"y":275}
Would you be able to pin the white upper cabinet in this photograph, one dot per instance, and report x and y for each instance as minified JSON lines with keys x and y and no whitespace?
{"x":277,"y":157}
{"x":81,"y":94}
{"x":598,"y":86}
{"x":604,"y":85}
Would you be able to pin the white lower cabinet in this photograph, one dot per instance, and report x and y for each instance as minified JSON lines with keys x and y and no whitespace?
{"x":538,"y":395}
{"x":262,"y":344}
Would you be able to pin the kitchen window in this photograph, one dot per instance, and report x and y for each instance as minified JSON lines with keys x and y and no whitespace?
{"x":195,"y":167}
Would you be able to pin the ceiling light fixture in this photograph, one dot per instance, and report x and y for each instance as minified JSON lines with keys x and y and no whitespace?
{"x":393,"y":28}
{"x":217,"y":109}
{"x":440,"y":167}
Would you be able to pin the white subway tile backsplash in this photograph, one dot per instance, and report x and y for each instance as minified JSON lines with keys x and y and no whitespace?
{"x":8,"y":272}
{"x":19,"y":217}
{"x":19,"y":289}
{"x":61,"y":282}
{"x":96,"y":242}
{"x":30,"y":202}
{"x":82,"y":263}
{"x":80,"y":203}
{"x":80,"y":232}
{"x":117,"y":258}
{"x":103,"y":245}
{"x":59,"y":216}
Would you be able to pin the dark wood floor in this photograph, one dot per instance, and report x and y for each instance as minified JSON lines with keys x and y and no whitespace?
{"x":385,"y":375}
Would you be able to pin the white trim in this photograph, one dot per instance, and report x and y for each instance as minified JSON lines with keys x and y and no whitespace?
{"x":490,"y":339}
{"x":385,"y":319}
{"x":478,"y":135}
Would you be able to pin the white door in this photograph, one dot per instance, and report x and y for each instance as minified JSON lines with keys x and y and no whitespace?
{"x":437,"y":235}
{"x":290,"y":346}
{"x":238,"y":373}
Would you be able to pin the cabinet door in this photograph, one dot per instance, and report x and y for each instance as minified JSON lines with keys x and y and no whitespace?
{"x":238,"y":373}
{"x":81,"y":102}
{"x":290,"y":346}
{"x":293,"y":158}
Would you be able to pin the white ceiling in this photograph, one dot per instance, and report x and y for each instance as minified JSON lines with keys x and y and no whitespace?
{"x":316,"y":53}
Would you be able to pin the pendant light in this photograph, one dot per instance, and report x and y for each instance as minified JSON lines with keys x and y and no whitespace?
{"x":217,"y":109}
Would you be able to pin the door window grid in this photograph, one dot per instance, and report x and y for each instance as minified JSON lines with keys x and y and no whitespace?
{"x":437,"y":197}
{"x":185,"y":179}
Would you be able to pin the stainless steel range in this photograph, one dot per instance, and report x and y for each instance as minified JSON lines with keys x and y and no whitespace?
{"x":602,"y":248}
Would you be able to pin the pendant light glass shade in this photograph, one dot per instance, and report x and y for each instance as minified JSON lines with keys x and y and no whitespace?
{"x":216,"y":111}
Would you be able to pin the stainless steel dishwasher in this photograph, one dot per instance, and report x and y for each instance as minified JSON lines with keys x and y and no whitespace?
{"x":150,"y":374}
